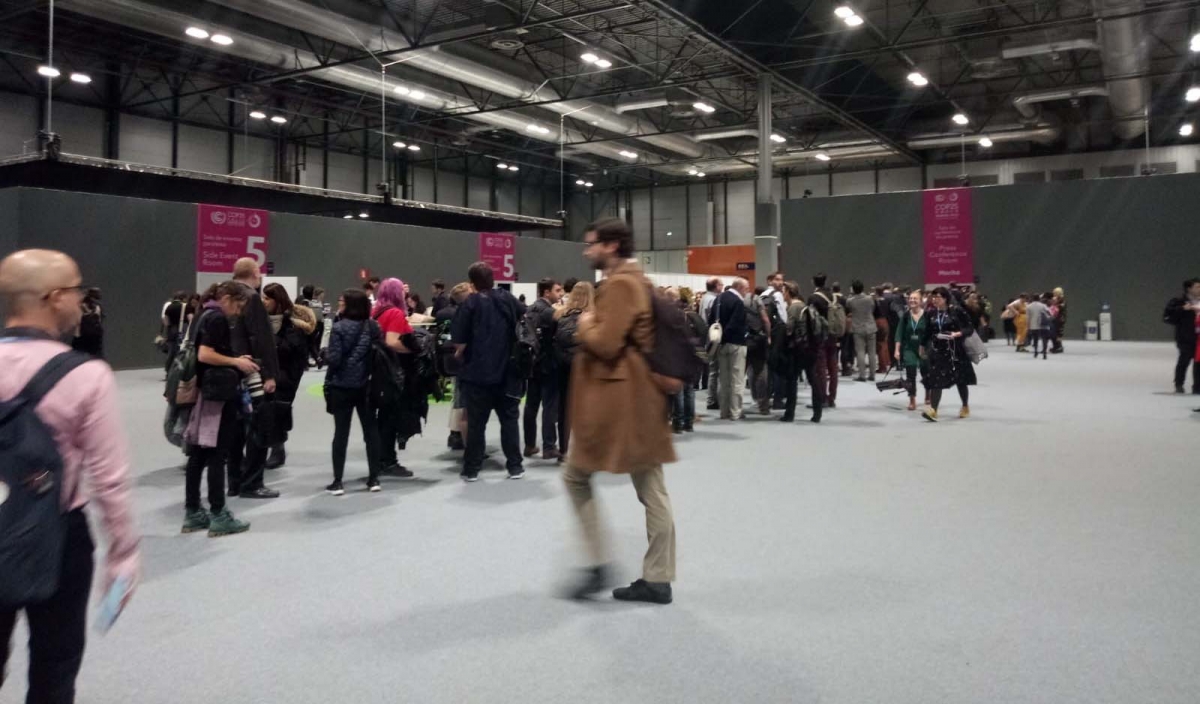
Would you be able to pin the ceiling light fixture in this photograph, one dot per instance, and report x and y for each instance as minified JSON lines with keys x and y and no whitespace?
{"x":1185,"y":130}
{"x":580,"y":182}
{"x":49,"y":72}
{"x":985,"y":142}
{"x":222,"y":39}
{"x":401,"y":90}
{"x":853,"y":21}
{"x":514,"y":168}
{"x":417,"y":94}
{"x":196,"y":32}
{"x":704,"y":107}
{"x":414,"y":148}
{"x":279,"y":119}
{"x":628,"y":154}
{"x":1193,"y":94}
{"x":960,"y":119}
{"x":364,"y":215}
{"x":701,"y":175}
{"x":347,"y":217}
{"x":778,"y":139}
{"x":1195,"y":42}
{"x":822,"y":156}
{"x":501,"y":166}
{"x":917,"y":79}
{"x":258,"y":115}
{"x":589,"y":184}
{"x":81,"y":78}
{"x":399,"y":145}
{"x":589,"y":58}
{"x":843,"y":12}
{"x":604,"y":63}
{"x":536,"y":128}
{"x":692,"y":172}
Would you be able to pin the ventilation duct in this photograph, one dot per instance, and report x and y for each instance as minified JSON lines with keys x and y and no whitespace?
{"x":645,"y":103}
{"x":725,"y":134}
{"x":1058,"y":47}
{"x":1026,"y":103}
{"x":1043,"y":134}
{"x":158,"y":20}
{"x":351,"y":32}
{"x":1123,"y":53}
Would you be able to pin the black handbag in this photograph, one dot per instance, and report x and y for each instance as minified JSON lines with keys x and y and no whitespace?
{"x":221,"y":384}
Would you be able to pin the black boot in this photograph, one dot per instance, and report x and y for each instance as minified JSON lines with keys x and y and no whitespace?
{"x":676,"y":427}
{"x":641,"y":590}
{"x":593,"y":581}
{"x":277,"y":459}
{"x":455,"y":441}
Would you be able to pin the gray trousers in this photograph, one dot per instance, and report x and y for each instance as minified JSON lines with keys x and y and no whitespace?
{"x":714,"y":376}
{"x":732,"y":360}
{"x":865,"y":347}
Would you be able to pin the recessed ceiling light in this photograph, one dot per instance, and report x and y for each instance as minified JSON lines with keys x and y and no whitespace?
{"x":81,"y":78}
{"x":417,"y":94}
{"x":960,"y":119}
{"x":843,"y":12}
{"x":347,"y":217}
{"x":580,"y":182}
{"x":414,"y":148}
{"x":514,"y":168}
{"x":258,"y":115}
{"x":589,"y":58}
{"x":853,"y":21}
{"x":501,"y":166}
{"x":1185,"y":130}
{"x":278,"y":119}
{"x":604,"y":63}
{"x":701,"y":175}
{"x":196,"y":32}
{"x":536,"y":128}
{"x":364,"y":215}
{"x":985,"y":142}
{"x":1193,"y":94}
{"x":222,"y":39}
{"x":589,"y":184}
{"x":822,"y":156}
{"x":692,"y":172}
{"x":778,"y":139}
{"x":399,"y":145}
{"x":401,"y":90}
{"x":49,"y":71}
{"x":628,"y":154}
{"x":917,"y":79}
{"x":703,"y":107}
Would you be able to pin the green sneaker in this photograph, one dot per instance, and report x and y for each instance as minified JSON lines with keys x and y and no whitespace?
{"x":195,"y":521}
{"x":224,"y":523}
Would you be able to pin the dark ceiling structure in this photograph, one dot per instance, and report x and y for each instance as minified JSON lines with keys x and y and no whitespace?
{"x":622,"y":93}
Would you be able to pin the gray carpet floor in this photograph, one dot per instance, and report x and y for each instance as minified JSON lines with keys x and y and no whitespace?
{"x":1044,"y":550}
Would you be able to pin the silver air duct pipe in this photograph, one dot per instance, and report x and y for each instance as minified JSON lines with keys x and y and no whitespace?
{"x":1044,"y":134}
{"x":354,"y":33}
{"x":630,"y":104}
{"x":725,"y":134}
{"x":1124,"y":53}
{"x":167,"y":23}
{"x":1078,"y":44}
{"x":1026,"y":102}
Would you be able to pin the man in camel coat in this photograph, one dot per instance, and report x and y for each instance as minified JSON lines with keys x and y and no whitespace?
{"x":618,"y":416}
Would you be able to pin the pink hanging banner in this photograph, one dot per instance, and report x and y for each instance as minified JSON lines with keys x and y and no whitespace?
{"x":225,"y":234}
{"x":949,"y":236}
{"x":499,"y":251}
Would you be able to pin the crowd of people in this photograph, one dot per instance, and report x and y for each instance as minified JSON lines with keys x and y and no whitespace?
{"x":1029,"y":319}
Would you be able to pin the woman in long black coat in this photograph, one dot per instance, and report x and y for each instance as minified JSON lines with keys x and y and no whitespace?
{"x":942,"y":344}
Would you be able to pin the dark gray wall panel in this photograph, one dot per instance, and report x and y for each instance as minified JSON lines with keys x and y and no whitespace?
{"x":138,"y":251}
{"x":1127,"y":242}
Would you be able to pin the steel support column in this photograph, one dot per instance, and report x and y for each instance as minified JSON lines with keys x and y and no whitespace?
{"x":766,"y":215}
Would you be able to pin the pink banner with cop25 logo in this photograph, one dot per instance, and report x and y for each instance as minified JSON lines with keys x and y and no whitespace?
{"x":224,"y":235}
{"x":499,"y":251}
{"x":949,"y":236}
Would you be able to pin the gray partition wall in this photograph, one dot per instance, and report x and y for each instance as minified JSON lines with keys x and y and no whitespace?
{"x":1128,"y":242}
{"x":138,"y":251}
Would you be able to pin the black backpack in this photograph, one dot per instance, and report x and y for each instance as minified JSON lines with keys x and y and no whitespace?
{"x":526,"y":346}
{"x":388,"y":378}
{"x":673,"y":361}
{"x":564,"y":339}
{"x":423,"y":344}
{"x":32,"y":524}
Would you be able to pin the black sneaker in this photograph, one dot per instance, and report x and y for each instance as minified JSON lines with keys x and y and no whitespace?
{"x":373,"y":486}
{"x":455,"y":442}
{"x":786,"y":419}
{"x":396,"y":470}
{"x":469,"y":477}
{"x":641,"y":590}
{"x":277,"y":459}
{"x":335,"y":489}
{"x":591,"y":582}
{"x":713,"y":406}
{"x":688,"y":428}
{"x":518,"y":474}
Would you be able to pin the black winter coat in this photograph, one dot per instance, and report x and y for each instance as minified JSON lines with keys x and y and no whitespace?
{"x":1184,"y":321}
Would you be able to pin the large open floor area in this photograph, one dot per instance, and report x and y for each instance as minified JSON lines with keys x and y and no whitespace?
{"x":1043,"y":550}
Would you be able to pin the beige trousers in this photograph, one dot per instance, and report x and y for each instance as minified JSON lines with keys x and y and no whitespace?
{"x":659,"y":564}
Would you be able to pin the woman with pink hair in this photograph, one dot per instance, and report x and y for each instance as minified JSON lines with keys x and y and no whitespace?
{"x":391,"y":312}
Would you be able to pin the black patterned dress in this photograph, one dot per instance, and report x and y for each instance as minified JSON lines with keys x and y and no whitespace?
{"x":949,"y":365}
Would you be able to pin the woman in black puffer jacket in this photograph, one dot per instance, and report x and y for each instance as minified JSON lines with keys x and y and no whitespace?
{"x":349,"y":360}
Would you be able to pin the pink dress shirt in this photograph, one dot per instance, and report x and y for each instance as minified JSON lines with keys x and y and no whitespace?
{"x":82,"y":413}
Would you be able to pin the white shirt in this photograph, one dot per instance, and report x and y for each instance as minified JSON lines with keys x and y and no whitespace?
{"x":780,"y":306}
{"x":706,"y":303}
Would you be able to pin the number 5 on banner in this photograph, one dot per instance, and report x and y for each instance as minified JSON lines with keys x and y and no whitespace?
{"x":509,"y":268}
{"x":251,"y":249}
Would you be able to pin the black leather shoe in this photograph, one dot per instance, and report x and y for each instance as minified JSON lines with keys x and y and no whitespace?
{"x":277,"y":459}
{"x":261,"y":492}
{"x":786,"y":419}
{"x":641,"y":590}
{"x":591,"y":582}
